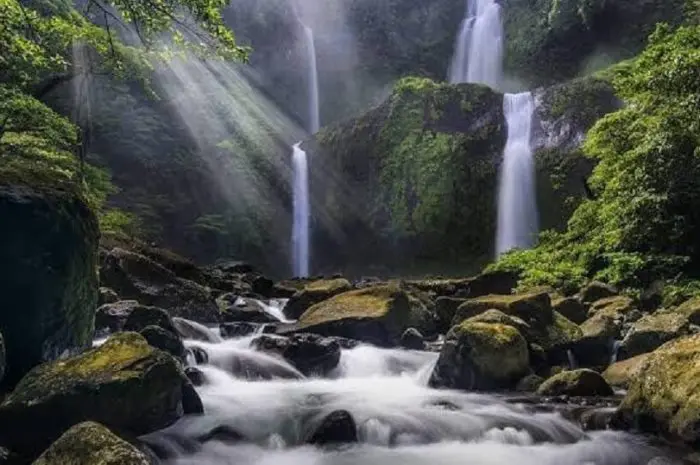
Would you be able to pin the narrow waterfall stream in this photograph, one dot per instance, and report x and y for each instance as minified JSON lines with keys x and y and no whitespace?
{"x":399,"y":419}
{"x":517,"y":203}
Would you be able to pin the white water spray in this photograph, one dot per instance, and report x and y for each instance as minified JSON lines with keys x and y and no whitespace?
{"x":517,"y":203}
{"x":479,"y":48}
{"x":300,"y":227}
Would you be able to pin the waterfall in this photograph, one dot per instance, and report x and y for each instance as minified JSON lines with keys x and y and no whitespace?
{"x":300,"y":227}
{"x":479,"y":48}
{"x":517,"y":203}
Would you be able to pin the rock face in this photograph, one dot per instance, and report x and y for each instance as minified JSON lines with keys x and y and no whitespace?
{"x":313,"y":293}
{"x":311,"y":354}
{"x":336,"y":428}
{"x":663,"y":397}
{"x":412,"y":339}
{"x":112,"y":316}
{"x":576,"y":383}
{"x":652,"y":331}
{"x":48,"y":281}
{"x":236,"y":308}
{"x":481,"y":356}
{"x":135,"y":276}
{"x":621,"y":374}
{"x":90,"y":443}
{"x":124,"y":384}
{"x":377,"y":315}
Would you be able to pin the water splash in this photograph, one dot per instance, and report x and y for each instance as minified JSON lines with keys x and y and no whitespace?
{"x":479,"y":48}
{"x":517,"y":203}
{"x":300,"y":226}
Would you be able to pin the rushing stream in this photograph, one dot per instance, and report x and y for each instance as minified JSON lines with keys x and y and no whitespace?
{"x":399,"y":419}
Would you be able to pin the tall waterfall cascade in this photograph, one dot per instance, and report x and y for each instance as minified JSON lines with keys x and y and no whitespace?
{"x":300,"y":227}
{"x":478,"y":52}
{"x":517,"y":202}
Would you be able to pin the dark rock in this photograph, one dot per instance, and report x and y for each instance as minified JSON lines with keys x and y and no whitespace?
{"x":481,"y":356}
{"x":124,"y":384}
{"x":222,"y":433}
{"x":311,"y":354}
{"x":191,"y":402}
{"x":191,"y":330}
{"x":257,"y":367}
{"x":445,"y":309}
{"x":493,"y":282}
{"x":336,"y":428}
{"x":107,"y":296}
{"x":135,"y":276}
{"x":262,"y":286}
{"x":235,"y":267}
{"x":200,"y":355}
{"x":2,"y":357}
{"x":596,"y":291}
{"x":269,"y":328}
{"x":164,"y":340}
{"x":412,"y":339}
{"x":653,"y":331}
{"x":141,"y":317}
{"x":313,"y":293}
{"x":195,"y":375}
{"x":581,"y":382}
{"x":596,"y":419}
{"x":48,"y":283}
{"x":571,"y":308}
{"x":113,"y":316}
{"x":237,"y":329}
{"x":90,"y":443}
{"x":236,"y":308}
{"x":530,"y":383}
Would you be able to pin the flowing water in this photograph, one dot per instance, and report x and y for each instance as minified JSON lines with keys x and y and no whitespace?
{"x":300,"y":227}
{"x":478,"y":52}
{"x":517,"y":202}
{"x":399,"y":419}
{"x":314,"y":118}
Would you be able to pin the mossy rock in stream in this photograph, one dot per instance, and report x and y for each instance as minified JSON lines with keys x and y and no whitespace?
{"x":90,"y":443}
{"x":313,"y":293}
{"x":377,"y":314}
{"x":125,"y":384}
{"x":664,"y":398}
{"x":622,"y":373}
{"x":48,"y":278}
{"x":481,"y":356}
{"x":577,"y":383}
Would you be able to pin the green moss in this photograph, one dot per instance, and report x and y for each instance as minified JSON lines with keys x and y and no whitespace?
{"x":576,"y":383}
{"x":621,"y":374}
{"x":374,"y":302}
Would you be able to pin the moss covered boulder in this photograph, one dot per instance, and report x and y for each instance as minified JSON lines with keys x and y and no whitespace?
{"x":481,"y":356}
{"x":607,"y":317}
{"x":377,"y":315}
{"x":652,"y":331}
{"x":125,"y":384}
{"x":48,"y":279}
{"x":665,"y":396}
{"x":578,"y":383}
{"x":622,"y":373}
{"x":313,"y":293}
{"x":90,"y":443}
{"x":498,"y":317}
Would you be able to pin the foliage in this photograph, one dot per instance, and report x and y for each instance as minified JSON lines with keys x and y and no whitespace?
{"x":643,"y":223}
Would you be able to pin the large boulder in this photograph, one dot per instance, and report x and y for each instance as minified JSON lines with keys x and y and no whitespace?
{"x":112,"y":316}
{"x":90,"y":443}
{"x":621,"y":374}
{"x":164,"y":340}
{"x":377,"y":315}
{"x":445,"y":309}
{"x":481,"y":356}
{"x":571,"y":308}
{"x":137,"y":277}
{"x":237,"y":308}
{"x":313,"y":293}
{"x":48,"y":279}
{"x":596,"y":291}
{"x":652,"y":331}
{"x":663,"y":398}
{"x":311,"y":354}
{"x":576,"y":383}
{"x":125,"y":384}
{"x":141,"y":317}
{"x":337,"y":427}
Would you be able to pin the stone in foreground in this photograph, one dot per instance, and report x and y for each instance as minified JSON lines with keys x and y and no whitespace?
{"x":124,"y":384}
{"x":481,"y":356}
{"x":577,"y":383}
{"x":313,"y":293}
{"x":90,"y":443}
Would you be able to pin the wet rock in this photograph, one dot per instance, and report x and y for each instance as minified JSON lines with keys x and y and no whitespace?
{"x":48,"y":283}
{"x":529,"y":383}
{"x":571,"y":308}
{"x":313,"y":293}
{"x":412,"y":339}
{"x":493,"y":283}
{"x":596,"y":291}
{"x":336,"y":428}
{"x":200,"y":355}
{"x":124,"y":384}
{"x":235,"y":308}
{"x":311,"y":354}
{"x":138,"y":277}
{"x":141,"y":317}
{"x":653,"y":331}
{"x":195,"y":375}
{"x":222,"y":433}
{"x":581,"y":382}
{"x":481,"y":356}
{"x":164,"y":340}
{"x":191,"y":330}
{"x":262,"y":286}
{"x":2,"y":357}
{"x":621,"y":374}
{"x":106,"y":296}
{"x":191,"y":402}
{"x":445,"y":309}
{"x":113,"y":316}
{"x":259,"y":366}
{"x":378,"y":315}
{"x":237,"y":329}
{"x":596,"y":419}
{"x":663,"y":397}
{"x":90,"y":443}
